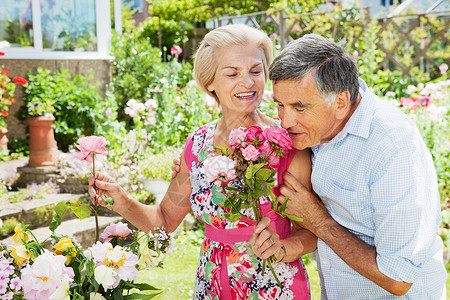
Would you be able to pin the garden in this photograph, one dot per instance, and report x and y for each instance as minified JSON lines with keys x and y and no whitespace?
{"x":150,"y":106}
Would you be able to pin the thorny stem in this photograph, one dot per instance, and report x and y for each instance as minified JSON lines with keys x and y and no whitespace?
{"x":94,"y":208}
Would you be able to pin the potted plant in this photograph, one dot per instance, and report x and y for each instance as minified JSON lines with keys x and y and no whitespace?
{"x":42,"y":138}
{"x":156,"y":171}
{"x":7,"y":89}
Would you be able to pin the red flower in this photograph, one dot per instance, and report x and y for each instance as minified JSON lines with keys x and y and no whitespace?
{"x":2,"y":53}
{"x":13,"y":101}
{"x":4,"y":113}
{"x":4,"y":72}
{"x":20,"y":80}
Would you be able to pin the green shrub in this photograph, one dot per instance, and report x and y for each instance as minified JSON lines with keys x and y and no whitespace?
{"x":171,"y":34}
{"x":79,"y":108}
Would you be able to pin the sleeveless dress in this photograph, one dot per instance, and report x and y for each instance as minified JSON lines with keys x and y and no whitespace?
{"x":228,"y":268}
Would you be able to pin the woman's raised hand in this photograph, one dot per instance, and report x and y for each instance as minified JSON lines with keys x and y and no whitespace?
{"x":105,"y":185}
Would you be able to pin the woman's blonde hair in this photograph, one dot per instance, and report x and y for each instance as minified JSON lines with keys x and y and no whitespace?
{"x":205,"y":63}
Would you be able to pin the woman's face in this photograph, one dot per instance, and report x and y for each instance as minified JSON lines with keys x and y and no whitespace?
{"x":239,"y":79}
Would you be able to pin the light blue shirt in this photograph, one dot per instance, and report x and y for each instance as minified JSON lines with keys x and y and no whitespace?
{"x":377,"y":179}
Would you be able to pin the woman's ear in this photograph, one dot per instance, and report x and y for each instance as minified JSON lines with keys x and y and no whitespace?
{"x":210,"y":87}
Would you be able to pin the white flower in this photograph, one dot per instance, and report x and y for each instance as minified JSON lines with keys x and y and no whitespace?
{"x":62,"y":293}
{"x":96,"y":296}
{"x":120,"y":264}
{"x":163,"y":81}
{"x":1,"y":223}
{"x":411,"y":89}
{"x":219,"y":169}
{"x":4,"y":44}
{"x":105,"y":276}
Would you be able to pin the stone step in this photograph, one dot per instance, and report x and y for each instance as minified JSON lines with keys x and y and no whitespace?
{"x":83,"y":230}
{"x":33,"y":212}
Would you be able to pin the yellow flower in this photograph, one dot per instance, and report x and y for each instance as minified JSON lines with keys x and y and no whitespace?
{"x":65,"y":247}
{"x":20,"y":255}
{"x":19,"y":236}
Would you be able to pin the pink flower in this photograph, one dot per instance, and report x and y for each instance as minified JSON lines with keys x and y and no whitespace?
{"x":279,"y":136}
{"x":443,"y":69}
{"x":273,"y":36}
{"x":120,"y":230}
{"x":219,"y":169}
{"x":254,"y":132}
{"x":237,"y":138}
{"x":91,"y":145}
{"x":250,"y":153}
{"x":41,"y":279}
{"x":108,"y":112}
{"x":176,"y":50}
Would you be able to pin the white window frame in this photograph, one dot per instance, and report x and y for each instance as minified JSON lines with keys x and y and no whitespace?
{"x":103,"y":26}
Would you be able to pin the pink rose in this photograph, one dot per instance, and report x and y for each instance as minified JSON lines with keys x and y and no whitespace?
{"x":250,"y":153}
{"x":91,"y":144}
{"x":254,"y":132}
{"x":279,"y":136}
{"x":265,"y":148}
{"x":219,"y":169}
{"x":237,"y":138}
{"x":120,"y":230}
{"x":274,"y":160}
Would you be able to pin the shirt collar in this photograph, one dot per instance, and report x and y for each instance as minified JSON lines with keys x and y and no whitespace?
{"x":359,"y":122}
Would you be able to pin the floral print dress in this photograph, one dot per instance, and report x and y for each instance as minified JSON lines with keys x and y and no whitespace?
{"x":227,"y":267}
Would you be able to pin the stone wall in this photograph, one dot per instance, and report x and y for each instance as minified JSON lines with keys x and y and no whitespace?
{"x":100,"y":69}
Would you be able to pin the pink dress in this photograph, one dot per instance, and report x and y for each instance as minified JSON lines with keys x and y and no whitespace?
{"x":228,"y":268}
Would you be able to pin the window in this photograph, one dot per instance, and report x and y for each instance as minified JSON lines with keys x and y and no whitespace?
{"x":56,"y":28}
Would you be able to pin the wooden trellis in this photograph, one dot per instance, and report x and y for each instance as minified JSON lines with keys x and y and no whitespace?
{"x":400,"y":28}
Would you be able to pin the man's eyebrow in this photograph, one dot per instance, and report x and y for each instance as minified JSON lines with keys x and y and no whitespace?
{"x":297,"y":104}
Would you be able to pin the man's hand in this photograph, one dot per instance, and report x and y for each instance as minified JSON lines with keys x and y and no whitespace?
{"x":176,"y":167}
{"x":303,"y":204}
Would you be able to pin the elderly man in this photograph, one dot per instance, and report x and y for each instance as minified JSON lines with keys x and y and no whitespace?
{"x":376,"y":205}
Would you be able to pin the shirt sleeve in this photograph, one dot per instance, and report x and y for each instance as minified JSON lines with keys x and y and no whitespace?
{"x":406,"y":208}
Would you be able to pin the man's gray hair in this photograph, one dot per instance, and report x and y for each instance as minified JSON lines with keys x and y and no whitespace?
{"x":334,"y":70}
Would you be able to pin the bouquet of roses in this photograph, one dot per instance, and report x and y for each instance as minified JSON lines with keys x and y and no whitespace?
{"x":250,"y":169}
{"x":104,"y":271}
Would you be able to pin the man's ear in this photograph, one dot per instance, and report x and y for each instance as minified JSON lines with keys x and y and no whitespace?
{"x":342,"y":104}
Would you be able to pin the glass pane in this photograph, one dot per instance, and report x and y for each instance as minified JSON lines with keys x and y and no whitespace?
{"x":68,"y":25}
{"x":16,"y":24}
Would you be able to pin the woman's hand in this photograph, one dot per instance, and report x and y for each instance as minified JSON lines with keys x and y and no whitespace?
{"x":105,"y":185}
{"x":265,"y":241}
{"x":176,"y":168}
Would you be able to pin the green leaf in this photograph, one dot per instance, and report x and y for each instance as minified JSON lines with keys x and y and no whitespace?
{"x":54,"y":223}
{"x":283,"y":206}
{"x":292,"y":217}
{"x":140,"y":286}
{"x":108,"y":200}
{"x":135,"y":296}
{"x":252,"y":169}
{"x":265,"y":174}
{"x":60,"y":208}
{"x":82,"y":212}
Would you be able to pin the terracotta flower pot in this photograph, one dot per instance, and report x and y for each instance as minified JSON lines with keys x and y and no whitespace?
{"x":42,"y":141}
{"x":3,"y":139}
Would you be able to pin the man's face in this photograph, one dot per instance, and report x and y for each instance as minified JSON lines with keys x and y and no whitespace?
{"x":309,"y":120}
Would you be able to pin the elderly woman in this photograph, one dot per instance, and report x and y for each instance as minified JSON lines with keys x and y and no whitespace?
{"x":231,"y":65}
